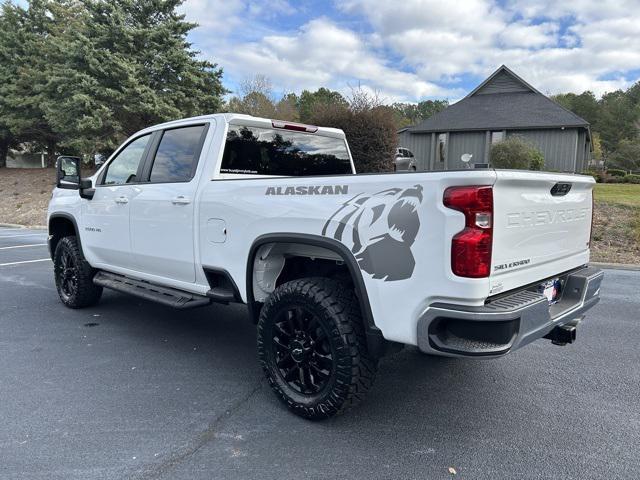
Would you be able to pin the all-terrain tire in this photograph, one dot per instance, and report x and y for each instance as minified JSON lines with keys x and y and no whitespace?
{"x":74,"y":275}
{"x":333,"y":318}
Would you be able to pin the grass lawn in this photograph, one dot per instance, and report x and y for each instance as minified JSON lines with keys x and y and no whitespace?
{"x":618,"y":193}
{"x":616,"y":228}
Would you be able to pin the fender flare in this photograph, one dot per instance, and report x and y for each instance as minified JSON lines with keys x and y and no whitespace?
{"x":66,"y":216}
{"x":375,"y":340}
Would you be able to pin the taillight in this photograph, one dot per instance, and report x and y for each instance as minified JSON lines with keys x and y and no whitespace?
{"x":298,"y":127}
{"x":471,"y":248}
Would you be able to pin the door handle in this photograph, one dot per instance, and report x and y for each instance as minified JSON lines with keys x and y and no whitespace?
{"x":121,"y":200}
{"x":181,"y":200}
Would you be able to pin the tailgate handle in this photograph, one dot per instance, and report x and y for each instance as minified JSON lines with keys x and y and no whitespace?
{"x":560,"y":189}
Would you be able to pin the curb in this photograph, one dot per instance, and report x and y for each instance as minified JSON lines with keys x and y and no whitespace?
{"x":616,"y":266}
{"x":15,"y":225}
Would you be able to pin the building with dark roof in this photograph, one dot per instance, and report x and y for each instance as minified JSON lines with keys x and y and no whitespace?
{"x":502,"y":106}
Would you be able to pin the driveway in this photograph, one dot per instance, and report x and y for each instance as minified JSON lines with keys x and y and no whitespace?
{"x":131,"y":389}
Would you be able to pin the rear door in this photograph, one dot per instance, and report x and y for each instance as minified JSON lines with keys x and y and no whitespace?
{"x":162,"y":212}
{"x":542,"y":226}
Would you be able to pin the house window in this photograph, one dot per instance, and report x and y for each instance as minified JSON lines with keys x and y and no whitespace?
{"x":497,"y":137}
{"x":442,"y":147}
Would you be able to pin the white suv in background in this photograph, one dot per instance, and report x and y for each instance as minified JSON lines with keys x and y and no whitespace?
{"x":404,"y":161}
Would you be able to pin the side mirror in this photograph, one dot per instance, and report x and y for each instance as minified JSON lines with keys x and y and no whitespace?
{"x":68,"y":173}
{"x":68,"y":176}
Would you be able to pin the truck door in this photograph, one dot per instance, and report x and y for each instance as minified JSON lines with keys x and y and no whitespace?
{"x":105,"y":218}
{"x":162,"y":211}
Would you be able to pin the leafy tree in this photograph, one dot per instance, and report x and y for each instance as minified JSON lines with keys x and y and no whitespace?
{"x":369,"y":127}
{"x":584,"y":105}
{"x":627,"y":155}
{"x":309,"y":102}
{"x":516,"y":153}
{"x":287,"y":108}
{"x":254,"y":103}
{"x":407,"y":114}
{"x":619,"y":119}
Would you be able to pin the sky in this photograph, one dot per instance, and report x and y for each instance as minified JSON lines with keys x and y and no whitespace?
{"x":413,"y":50}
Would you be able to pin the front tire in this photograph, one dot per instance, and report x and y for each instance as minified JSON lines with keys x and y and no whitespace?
{"x":312,"y":347}
{"x":74,"y":275}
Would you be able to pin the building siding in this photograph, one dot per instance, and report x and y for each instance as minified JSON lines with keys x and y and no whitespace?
{"x":465,"y":142}
{"x":502,"y":83}
{"x":559,"y":147}
{"x":420,"y":146}
{"x":583,"y":152}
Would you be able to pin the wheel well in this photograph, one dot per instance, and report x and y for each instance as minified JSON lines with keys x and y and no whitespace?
{"x":278,"y":263}
{"x":60,"y":227}
{"x":280,"y":257}
{"x":299,"y":267}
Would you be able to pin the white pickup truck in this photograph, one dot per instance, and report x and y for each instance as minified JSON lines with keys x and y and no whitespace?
{"x":336,"y":268}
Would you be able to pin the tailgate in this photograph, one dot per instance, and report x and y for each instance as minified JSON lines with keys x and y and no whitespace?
{"x":542,"y":226}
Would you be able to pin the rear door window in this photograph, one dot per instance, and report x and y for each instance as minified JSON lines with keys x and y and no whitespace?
{"x":267,"y":151}
{"x":177,"y":156}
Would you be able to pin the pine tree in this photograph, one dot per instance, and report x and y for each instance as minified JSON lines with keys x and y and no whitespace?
{"x":82,"y":75}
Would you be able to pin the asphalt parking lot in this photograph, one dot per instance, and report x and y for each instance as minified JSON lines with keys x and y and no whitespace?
{"x":131,"y":389}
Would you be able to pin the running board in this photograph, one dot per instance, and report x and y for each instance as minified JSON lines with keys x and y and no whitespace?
{"x":139,"y":288}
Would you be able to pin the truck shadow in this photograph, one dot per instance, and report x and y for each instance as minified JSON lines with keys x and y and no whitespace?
{"x":457,"y":396}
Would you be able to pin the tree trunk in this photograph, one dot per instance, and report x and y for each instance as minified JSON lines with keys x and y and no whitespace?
{"x":51,"y":153}
{"x":4,"y":151}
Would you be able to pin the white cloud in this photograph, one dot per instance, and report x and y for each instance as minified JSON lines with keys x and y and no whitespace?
{"x":416,"y":49}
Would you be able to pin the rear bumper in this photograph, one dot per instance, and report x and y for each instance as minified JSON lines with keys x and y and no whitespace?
{"x":507,"y":322}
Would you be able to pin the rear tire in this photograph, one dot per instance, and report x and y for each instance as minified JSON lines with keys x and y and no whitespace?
{"x":74,"y":275}
{"x":312,"y":347}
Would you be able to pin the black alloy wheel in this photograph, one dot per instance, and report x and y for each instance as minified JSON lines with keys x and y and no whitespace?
{"x":302,"y":350}
{"x":74,"y":275}
{"x":67,"y":275}
{"x":312,"y":347}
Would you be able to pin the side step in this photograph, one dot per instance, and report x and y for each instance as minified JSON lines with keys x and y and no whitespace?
{"x":139,"y":288}
{"x":221,"y":295}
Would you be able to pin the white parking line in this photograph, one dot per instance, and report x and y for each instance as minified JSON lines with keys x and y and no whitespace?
{"x":26,"y":261}
{"x":23,"y":246}
{"x":27,"y":235}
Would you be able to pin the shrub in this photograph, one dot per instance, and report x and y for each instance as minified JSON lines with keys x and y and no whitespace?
{"x":597,"y":176}
{"x":632,"y":178}
{"x":369,"y":128}
{"x":615,"y":172}
{"x":537,"y":160}
{"x":516,"y":153}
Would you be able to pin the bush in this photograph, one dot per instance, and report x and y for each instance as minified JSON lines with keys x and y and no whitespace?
{"x":537,"y":160}
{"x":516,"y":153}
{"x":369,"y":128}
{"x":632,"y":178}
{"x":616,"y":172}
{"x":597,"y":176}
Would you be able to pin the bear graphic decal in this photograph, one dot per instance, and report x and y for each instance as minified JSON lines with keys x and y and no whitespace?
{"x":381,"y":230}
